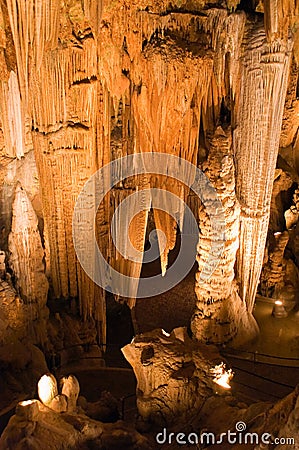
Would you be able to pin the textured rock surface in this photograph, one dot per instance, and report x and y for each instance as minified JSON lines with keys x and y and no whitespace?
{"x":56,"y":422}
{"x":219,"y":309}
{"x":175,"y":389}
{"x":86,"y":82}
{"x":70,"y":388}
{"x":52,"y":430}
{"x":47,"y":389}
{"x":26,"y":251}
{"x":173,"y":374}
{"x":264,"y":77}
{"x":273,"y":271}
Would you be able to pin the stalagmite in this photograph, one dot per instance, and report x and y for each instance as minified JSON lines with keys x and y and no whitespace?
{"x":173,"y":375}
{"x":219,"y":309}
{"x":273,"y":271}
{"x":47,"y":388}
{"x":208,"y":90}
{"x":26,"y":252}
{"x":70,"y":388}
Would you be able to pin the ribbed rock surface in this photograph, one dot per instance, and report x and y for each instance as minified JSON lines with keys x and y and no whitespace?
{"x":26,"y":252}
{"x":219,"y":307}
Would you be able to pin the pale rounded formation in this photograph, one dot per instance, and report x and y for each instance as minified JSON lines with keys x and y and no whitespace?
{"x":59,"y":402}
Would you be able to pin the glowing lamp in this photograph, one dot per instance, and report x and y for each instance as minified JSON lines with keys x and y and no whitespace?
{"x":222,"y":376}
{"x":278,"y":310}
{"x":165,"y":333}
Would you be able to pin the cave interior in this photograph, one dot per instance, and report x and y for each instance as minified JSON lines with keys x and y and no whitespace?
{"x":149,"y":217}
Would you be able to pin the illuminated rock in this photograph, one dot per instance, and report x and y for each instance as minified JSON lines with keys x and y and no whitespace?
{"x":85,"y":82}
{"x":70,"y":388}
{"x":59,"y":403}
{"x":28,"y":410}
{"x":220,"y":314}
{"x":279,"y":311}
{"x":222,"y":376}
{"x":47,"y":389}
{"x":173,"y":374}
{"x":26,"y":251}
{"x":55,"y":431}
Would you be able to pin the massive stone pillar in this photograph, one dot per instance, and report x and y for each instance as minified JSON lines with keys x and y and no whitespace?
{"x":258,"y":118}
{"x":56,"y":55}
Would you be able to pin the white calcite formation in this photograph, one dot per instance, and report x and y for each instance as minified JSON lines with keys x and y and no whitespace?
{"x":85,"y":82}
{"x":59,"y":402}
{"x":47,"y":389}
{"x":264,"y":75}
{"x":220,"y":313}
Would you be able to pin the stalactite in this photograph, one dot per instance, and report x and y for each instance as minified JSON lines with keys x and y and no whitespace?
{"x":26,"y":251}
{"x":93,"y":11}
{"x":169,"y":78}
{"x":65,"y":93}
{"x":278,"y":15}
{"x":265,"y":70}
{"x":164,"y":73}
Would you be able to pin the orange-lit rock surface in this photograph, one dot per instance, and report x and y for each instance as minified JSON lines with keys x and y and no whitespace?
{"x":85,"y":82}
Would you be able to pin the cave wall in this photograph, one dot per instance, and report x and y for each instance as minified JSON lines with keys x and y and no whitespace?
{"x":83,"y":83}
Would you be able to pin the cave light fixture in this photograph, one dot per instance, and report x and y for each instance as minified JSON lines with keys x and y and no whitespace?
{"x":26,"y":403}
{"x":279,"y":311}
{"x":222,"y":376}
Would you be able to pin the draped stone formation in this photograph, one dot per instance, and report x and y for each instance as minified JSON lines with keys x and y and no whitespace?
{"x":87,"y":82}
{"x":264,"y":76}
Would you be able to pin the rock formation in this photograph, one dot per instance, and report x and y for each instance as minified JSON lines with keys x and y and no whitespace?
{"x":84,"y":83}
{"x":36,"y":425}
{"x":175,"y":382}
{"x":55,"y":422}
{"x":173,"y":374}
